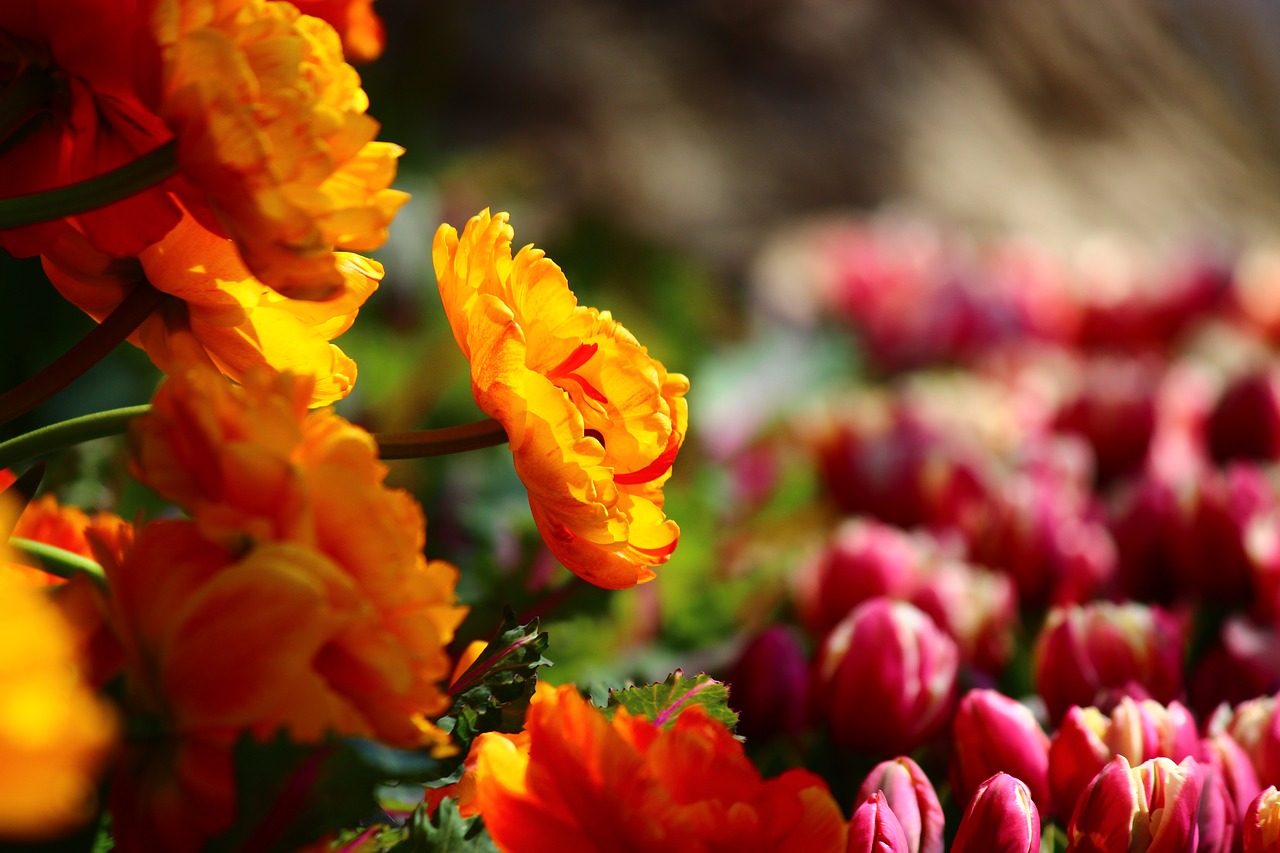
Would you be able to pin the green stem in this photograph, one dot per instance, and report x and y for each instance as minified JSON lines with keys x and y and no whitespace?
{"x":440,"y":442}
{"x":400,"y":445}
{"x":58,"y":561}
{"x":142,"y":300}
{"x":48,"y":439}
{"x":151,"y":168}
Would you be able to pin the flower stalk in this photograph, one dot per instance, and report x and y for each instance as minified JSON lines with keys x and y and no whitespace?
{"x":399,"y":445}
{"x":154,"y":167}
{"x":141,"y":302}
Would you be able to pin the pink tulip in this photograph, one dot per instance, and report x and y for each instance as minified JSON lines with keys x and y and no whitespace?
{"x":1262,"y":823}
{"x":992,"y":733}
{"x":1139,"y":731}
{"x":1255,"y":725}
{"x":1151,"y":807}
{"x":884,"y":679}
{"x":865,"y":558}
{"x":908,"y":791}
{"x":1000,"y":818}
{"x":875,"y":829}
{"x":1092,"y":655}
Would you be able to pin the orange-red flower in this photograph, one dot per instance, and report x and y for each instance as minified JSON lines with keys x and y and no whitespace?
{"x":576,"y":781}
{"x":274,"y":147}
{"x":253,"y":468}
{"x":63,"y":526}
{"x":91,"y":68}
{"x":296,"y":597}
{"x":220,"y":314}
{"x":54,"y":732}
{"x":594,"y":421}
{"x":271,"y":126}
{"x":362,"y":33}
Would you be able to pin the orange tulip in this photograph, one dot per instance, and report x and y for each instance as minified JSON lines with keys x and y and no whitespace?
{"x":595,"y":423}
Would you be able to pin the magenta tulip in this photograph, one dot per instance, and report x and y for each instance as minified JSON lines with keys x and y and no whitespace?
{"x":1000,"y":818}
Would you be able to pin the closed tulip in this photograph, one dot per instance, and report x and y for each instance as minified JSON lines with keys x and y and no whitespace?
{"x":1092,"y":655}
{"x":1262,"y":823}
{"x":1088,"y":739}
{"x":884,"y":679}
{"x":1001,"y":818}
{"x":910,"y":794}
{"x":875,"y":828}
{"x":1154,"y":806}
{"x":992,"y":733}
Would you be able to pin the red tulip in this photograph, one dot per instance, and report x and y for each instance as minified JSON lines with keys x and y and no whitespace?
{"x":910,"y":794}
{"x":1000,"y":818}
{"x":884,"y":679}
{"x":992,"y":733}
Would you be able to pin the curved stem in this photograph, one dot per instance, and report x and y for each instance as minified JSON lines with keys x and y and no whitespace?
{"x":401,"y":445}
{"x":63,"y":434}
{"x":151,"y":168}
{"x":92,"y":348}
{"x":439,"y":442}
{"x":57,"y":561}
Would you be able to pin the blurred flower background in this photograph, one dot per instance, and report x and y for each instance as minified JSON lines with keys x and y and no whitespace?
{"x":978,"y":306}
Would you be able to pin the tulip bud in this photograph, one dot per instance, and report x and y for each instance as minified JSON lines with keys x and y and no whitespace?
{"x":1139,"y":731}
{"x":1153,"y":806}
{"x":768,"y":685}
{"x":1255,"y":725}
{"x":1000,"y":818}
{"x":978,"y":608}
{"x":884,"y":679}
{"x":1245,"y":423}
{"x":1092,"y":655}
{"x":992,"y":733}
{"x":1231,"y":764}
{"x":864,"y":559}
{"x":1262,"y":823}
{"x":910,"y":794}
{"x":1115,"y":411}
{"x":875,"y":829}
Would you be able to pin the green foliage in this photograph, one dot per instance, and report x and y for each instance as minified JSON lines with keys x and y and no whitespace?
{"x":662,"y":703}
{"x":444,"y":832}
{"x":494,"y":692}
{"x":288,"y":794}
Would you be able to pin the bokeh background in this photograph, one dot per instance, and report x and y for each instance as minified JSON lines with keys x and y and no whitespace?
{"x":681,"y":161}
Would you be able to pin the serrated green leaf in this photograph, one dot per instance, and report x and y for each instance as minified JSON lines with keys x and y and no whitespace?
{"x":288,"y":794}
{"x":445,"y":832}
{"x":662,"y":703}
{"x":493,"y":694}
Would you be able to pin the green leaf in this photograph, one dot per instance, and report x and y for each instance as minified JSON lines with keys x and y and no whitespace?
{"x":289,"y":795}
{"x":445,"y":832}
{"x":493,"y":694}
{"x":662,"y":703}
